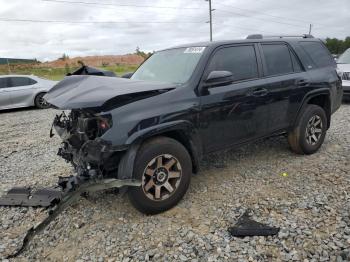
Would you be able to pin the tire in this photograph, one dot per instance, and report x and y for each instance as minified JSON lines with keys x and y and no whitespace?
{"x":151,"y":171}
{"x":40,"y":102}
{"x":301,"y":139}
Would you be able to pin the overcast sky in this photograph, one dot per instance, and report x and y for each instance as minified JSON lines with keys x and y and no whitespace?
{"x":153,"y":26}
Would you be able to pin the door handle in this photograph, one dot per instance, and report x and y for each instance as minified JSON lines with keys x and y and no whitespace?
{"x":303,"y":83}
{"x":260,"y":92}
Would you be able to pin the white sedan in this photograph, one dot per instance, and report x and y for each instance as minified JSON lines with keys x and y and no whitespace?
{"x":23,"y":91}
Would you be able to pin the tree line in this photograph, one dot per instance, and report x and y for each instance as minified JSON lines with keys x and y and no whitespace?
{"x":338,"y":46}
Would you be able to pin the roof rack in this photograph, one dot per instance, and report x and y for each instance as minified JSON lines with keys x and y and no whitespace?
{"x":259,"y":36}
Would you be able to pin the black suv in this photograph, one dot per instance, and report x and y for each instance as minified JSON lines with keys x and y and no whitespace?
{"x":192,"y":100}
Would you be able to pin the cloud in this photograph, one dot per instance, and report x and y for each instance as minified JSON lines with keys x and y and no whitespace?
{"x":232,"y":19}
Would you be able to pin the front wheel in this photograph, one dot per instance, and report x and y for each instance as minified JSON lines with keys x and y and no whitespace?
{"x":164,"y":166}
{"x":40,"y":102}
{"x":309,"y":131}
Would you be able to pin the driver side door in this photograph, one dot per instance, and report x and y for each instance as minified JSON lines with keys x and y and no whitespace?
{"x":233,"y":113}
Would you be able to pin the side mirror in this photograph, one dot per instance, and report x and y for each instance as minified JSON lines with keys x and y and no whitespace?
{"x":127,"y":75}
{"x":219,"y":78}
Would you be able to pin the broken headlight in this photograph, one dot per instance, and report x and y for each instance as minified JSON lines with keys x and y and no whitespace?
{"x":104,"y":123}
{"x":95,"y":126}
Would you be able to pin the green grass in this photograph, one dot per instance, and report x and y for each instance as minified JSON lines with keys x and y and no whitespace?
{"x":59,"y":73}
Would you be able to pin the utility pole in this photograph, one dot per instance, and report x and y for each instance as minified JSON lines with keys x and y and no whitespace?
{"x":8,"y":66}
{"x":210,"y":20}
{"x":310,"y":28}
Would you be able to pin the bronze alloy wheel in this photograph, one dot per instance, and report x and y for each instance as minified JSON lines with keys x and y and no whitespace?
{"x":313,"y":130}
{"x":161,"y":177}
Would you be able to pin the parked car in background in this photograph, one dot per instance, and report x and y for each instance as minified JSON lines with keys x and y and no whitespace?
{"x":344,"y":66}
{"x":23,"y":91}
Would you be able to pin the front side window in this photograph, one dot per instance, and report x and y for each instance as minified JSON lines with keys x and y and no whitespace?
{"x":172,"y":66}
{"x":21,"y":81}
{"x":239,"y":60}
{"x":318,"y":53}
{"x":277,"y":59}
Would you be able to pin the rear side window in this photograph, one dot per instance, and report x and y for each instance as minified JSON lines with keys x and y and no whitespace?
{"x":318,"y":53}
{"x":21,"y":81}
{"x":239,"y":60}
{"x":3,"y":82}
{"x":277,"y":59}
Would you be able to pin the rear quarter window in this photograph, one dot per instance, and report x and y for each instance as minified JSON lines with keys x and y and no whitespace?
{"x":318,"y":53}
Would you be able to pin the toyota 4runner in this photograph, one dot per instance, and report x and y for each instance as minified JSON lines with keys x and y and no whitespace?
{"x":191,"y":100}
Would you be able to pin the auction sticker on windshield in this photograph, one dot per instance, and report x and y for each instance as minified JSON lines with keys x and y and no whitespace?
{"x":194,"y":50}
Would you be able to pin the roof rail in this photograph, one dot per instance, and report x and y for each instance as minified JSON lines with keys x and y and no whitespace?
{"x":259,"y":36}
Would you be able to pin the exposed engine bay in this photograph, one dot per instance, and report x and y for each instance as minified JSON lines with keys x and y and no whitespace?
{"x":82,"y":147}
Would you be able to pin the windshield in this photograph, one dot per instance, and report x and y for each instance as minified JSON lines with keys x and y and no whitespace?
{"x":172,"y":66}
{"x":344,"y":58}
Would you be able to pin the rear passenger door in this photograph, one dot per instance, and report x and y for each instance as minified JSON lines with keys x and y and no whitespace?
{"x":285,"y":78}
{"x":22,"y":91}
{"x":232,"y":113}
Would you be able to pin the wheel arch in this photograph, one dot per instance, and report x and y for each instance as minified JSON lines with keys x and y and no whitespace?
{"x":182,"y":131}
{"x":320,"y":98}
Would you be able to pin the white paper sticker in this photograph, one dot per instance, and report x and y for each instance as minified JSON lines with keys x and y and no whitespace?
{"x":194,"y":50}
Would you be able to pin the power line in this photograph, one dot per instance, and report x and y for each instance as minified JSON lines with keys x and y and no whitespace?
{"x":263,"y":13}
{"x":280,"y":17}
{"x":121,"y":5}
{"x":245,"y":29}
{"x":96,"y":22}
{"x":258,"y":18}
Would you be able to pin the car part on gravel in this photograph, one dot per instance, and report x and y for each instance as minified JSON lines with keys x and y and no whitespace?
{"x":245,"y":226}
{"x":57,"y":199}
{"x":22,"y":196}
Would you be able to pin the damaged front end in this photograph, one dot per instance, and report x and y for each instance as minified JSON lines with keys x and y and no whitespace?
{"x":82,"y":145}
{"x":99,"y":153}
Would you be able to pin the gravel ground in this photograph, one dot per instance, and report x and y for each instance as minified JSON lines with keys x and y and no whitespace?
{"x":311,"y":205}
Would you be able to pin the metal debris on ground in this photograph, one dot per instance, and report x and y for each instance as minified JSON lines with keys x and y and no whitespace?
{"x":56,"y":199}
{"x":245,"y":226}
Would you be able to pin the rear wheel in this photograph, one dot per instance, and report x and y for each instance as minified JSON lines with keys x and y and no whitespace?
{"x":164,"y":166}
{"x":40,"y":102}
{"x":310,"y":131}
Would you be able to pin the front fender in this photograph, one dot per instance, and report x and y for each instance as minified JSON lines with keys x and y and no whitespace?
{"x":143,"y":134}
{"x":126,"y":164}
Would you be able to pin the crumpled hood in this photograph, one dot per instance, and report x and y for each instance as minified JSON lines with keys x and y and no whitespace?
{"x":86,"y":91}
